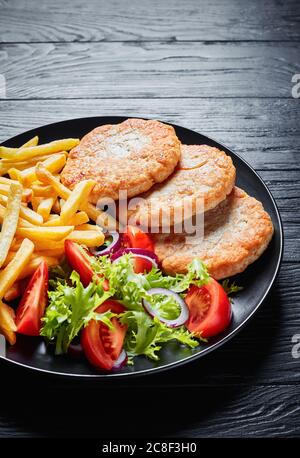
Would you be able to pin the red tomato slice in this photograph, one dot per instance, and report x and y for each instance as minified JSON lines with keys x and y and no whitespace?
{"x":79,"y":262}
{"x":33,"y":303}
{"x":210,"y":309}
{"x":142,"y":265}
{"x":101,"y":345}
{"x":135,"y":238}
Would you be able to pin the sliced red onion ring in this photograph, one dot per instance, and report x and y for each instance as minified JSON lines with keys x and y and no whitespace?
{"x":149,"y":262}
{"x":138,"y":251}
{"x":121,"y":361}
{"x":114,"y":246}
{"x":184,"y":311}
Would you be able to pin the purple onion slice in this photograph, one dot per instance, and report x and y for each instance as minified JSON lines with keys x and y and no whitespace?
{"x":121,"y":361}
{"x":137,"y":251}
{"x":113,"y":246}
{"x":184,"y":311}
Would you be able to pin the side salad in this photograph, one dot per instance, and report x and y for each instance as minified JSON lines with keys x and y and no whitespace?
{"x":113,"y":303}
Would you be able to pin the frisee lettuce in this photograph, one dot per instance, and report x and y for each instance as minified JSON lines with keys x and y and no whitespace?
{"x":70,"y":308}
{"x":145,"y":334}
{"x":197,"y":275}
{"x":230,"y":288}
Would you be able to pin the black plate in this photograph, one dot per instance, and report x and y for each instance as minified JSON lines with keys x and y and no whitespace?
{"x":32,"y":353}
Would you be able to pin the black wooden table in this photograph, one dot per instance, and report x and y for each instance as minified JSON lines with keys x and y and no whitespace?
{"x":223,"y":68}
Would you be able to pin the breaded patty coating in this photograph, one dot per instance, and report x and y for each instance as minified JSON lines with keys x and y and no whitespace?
{"x":131,"y":156}
{"x":203,"y":178}
{"x":236,"y":233}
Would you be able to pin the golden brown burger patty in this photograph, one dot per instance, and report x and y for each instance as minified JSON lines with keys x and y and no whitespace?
{"x":236,"y":233}
{"x":204,"y":177}
{"x":131,"y":156}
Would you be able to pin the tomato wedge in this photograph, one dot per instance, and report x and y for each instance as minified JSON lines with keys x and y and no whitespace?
{"x":142,"y":265}
{"x":102,"y":346}
{"x":134,"y":237}
{"x":79,"y":262}
{"x":33,"y":303}
{"x":210,"y":309}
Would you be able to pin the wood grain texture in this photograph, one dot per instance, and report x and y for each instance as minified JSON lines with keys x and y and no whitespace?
{"x":265,"y":132}
{"x":97,"y":70}
{"x":222,"y":68}
{"x":174,"y":20}
{"x":233,"y":411}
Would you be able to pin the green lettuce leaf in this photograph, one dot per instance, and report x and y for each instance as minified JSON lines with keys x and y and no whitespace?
{"x":70,"y":308}
{"x":230,"y":288}
{"x":145,"y":335}
{"x":197,"y":275}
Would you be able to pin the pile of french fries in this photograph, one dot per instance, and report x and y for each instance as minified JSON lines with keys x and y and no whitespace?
{"x":38,"y":213}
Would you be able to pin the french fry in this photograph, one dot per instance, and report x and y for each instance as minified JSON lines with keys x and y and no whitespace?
{"x":31,"y":267}
{"x":21,"y":165}
{"x":79,"y":195}
{"x":79,"y":218}
{"x":88,"y":227}
{"x":46,"y":177}
{"x":32,"y":142}
{"x":45,"y":207}
{"x":13,"y":292}
{"x":11,"y":151}
{"x":7,"y":323}
{"x":31,"y":216}
{"x":56,"y":207}
{"x":3,"y":169}
{"x":12,"y":254}
{"x":54,"y":252}
{"x":94,"y":214}
{"x":10,"y":220}
{"x":8,"y":181}
{"x":76,"y":220}
{"x":40,"y":245}
{"x":53,"y":164}
{"x":45,"y":233}
{"x":21,"y":222}
{"x":26,"y":193}
{"x":9,"y":257}
{"x":49,"y":148}
{"x":43,"y":190}
{"x":52,"y":217}
{"x":35,"y":202}
{"x":51,"y":245}
{"x":15,"y":174}
{"x":12,"y":271}
{"x":88,"y":238}
{"x":7,"y":150}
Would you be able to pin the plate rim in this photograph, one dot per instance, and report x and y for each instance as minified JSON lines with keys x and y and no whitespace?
{"x":205,"y":351}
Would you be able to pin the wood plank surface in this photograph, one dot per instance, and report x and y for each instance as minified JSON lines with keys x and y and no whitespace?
{"x":222,"y":68}
{"x":265,"y":132}
{"x":191,"y":69}
{"x":96,"y":20}
{"x":232,"y":411}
